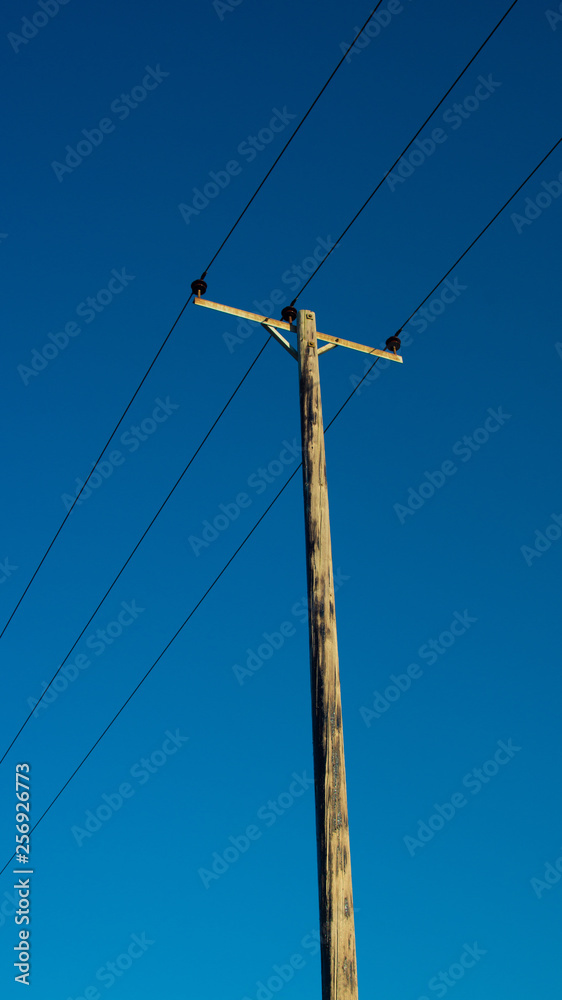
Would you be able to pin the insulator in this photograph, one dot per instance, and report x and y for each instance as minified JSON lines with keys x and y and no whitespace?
{"x":199,"y":287}
{"x":289,"y":314}
{"x":393,"y":344}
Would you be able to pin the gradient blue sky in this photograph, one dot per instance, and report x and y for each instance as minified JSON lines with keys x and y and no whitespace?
{"x":495,"y":344}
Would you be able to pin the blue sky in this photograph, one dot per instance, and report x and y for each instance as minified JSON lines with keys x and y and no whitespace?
{"x":445,"y":494}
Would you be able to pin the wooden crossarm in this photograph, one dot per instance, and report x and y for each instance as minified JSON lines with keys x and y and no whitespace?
{"x":271,"y":325}
{"x":338,"y":342}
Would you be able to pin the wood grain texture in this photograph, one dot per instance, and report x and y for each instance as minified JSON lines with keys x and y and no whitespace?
{"x":337,"y":926}
{"x":258,"y":318}
{"x":338,"y":341}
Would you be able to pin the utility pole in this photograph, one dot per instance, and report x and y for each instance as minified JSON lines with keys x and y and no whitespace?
{"x":337,"y":926}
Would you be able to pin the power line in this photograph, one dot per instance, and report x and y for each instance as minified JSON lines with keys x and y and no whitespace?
{"x":404,"y":151}
{"x":447,"y":273}
{"x":289,"y":141}
{"x":174,"y":637}
{"x":260,"y":519}
{"x":266,"y":511}
{"x":141,"y":539}
{"x":481,"y":233}
{"x":159,"y":657}
{"x":176,"y":321}
{"x":98,"y":459}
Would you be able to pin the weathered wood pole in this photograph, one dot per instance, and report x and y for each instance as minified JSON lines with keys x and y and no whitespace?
{"x":337,"y":927}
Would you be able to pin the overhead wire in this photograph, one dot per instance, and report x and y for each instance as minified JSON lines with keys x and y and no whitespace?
{"x":448,"y":272}
{"x":114,"y":431}
{"x":404,"y":151}
{"x":158,"y":658}
{"x":260,"y":519}
{"x":180,"y":314}
{"x":289,"y":141}
{"x":141,"y":539}
{"x":481,"y":233}
{"x":98,"y":459}
{"x":176,"y":321}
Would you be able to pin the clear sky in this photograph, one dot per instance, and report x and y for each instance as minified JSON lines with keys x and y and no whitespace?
{"x":180,"y":860}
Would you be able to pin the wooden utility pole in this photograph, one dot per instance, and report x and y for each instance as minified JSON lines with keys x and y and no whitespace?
{"x":337,"y":926}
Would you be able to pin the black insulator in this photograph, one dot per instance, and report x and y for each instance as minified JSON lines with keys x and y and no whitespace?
{"x":199,"y":287}
{"x":289,"y":314}
{"x":393,"y":344}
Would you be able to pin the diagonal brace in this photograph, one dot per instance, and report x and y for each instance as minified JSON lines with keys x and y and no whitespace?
{"x":280,"y":340}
